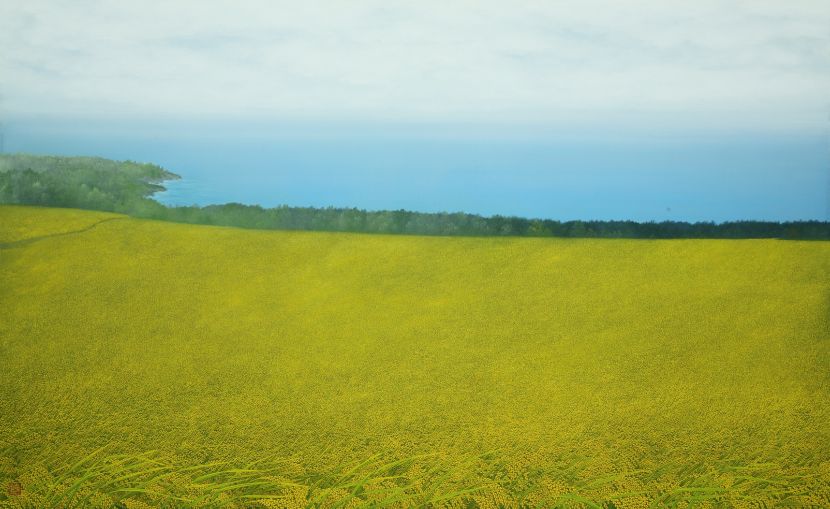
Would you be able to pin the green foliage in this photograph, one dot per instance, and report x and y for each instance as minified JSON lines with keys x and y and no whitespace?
{"x":126,"y":187}
{"x":80,"y":182}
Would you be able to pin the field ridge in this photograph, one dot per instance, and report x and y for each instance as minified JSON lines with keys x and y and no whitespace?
{"x":29,"y":240}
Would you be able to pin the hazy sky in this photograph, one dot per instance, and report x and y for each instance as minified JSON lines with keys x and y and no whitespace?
{"x":743,"y":64}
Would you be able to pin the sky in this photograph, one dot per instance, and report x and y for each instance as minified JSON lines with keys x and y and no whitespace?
{"x":707,"y":64}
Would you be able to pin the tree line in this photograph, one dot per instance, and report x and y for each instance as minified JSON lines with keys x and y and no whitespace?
{"x":127,"y":187}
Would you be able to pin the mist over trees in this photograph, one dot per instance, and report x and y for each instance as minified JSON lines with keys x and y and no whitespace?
{"x":126,"y":187}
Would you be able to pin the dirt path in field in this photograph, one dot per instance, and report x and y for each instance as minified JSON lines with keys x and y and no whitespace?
{"x":30,"y":240}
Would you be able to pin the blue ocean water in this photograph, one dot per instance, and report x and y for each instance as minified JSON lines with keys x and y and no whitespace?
{"x":713,"y":179}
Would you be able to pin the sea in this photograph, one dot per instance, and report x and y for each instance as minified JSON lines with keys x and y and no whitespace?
{"x":642,"y":178}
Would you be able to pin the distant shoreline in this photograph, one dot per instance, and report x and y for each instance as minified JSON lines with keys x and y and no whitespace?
{"x":130,"y":188}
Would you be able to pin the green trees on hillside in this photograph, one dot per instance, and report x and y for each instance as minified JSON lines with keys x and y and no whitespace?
{"x":126,"y":187}
{"x":79,"y":182}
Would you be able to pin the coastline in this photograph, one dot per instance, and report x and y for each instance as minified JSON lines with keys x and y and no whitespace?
{"x":156,"y":185}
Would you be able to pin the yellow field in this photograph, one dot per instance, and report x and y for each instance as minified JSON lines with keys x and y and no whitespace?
{"x":219,"y":366}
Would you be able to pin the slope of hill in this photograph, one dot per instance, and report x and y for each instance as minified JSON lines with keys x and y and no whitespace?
{"x":285,"y":369}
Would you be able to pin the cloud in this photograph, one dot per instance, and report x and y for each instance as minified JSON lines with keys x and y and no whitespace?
{"x":535,"y":61}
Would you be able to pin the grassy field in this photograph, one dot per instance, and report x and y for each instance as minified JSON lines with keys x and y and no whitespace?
{"x":155,"y":364}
